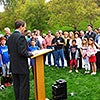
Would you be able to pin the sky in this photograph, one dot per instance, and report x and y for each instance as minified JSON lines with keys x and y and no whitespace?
{"x":2,"y":9}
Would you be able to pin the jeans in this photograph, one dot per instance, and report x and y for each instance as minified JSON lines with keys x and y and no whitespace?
{"x":49,"y":55}
{"x":59,"y":54}
{"x":6,"y":69}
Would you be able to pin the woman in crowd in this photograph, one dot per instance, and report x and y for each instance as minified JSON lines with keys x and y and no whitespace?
{"x":85,"y":61}
{"x":79,"y":45}
{"x":66,"y":47}
{"x":91,"y":51}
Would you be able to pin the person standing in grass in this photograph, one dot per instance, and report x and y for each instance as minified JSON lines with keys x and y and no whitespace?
{"x":79,"y":45}
{"x":85,"y":61}
{"x":58,"y":43}
{"x":7,"y":33}
{"x":66,"y":47}
{"x":90,"y":33}
{"x":97,"y":43}
{"x":44,"y":45}
{"x":91,"y":51}
{"x":18,"y":50}
{"x":5,"y":61}
{"x":1,"y":85}
{"x":32,"y":48}
{"x":74,"y":54}
{"x":48,"y":40}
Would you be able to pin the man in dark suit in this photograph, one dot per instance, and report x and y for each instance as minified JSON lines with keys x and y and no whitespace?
{"x":90,"y":33}
{"x":17,"y":47}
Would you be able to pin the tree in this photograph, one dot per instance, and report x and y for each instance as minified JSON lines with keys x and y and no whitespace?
{"x":71,"y":12}
{"x":37,"y":15}
{"x":54,"y":14}
{"x":91,"y":11}
{"x":13,"y":10}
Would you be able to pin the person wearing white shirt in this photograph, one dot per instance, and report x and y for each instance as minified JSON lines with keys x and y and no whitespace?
{"x":79,"y":45}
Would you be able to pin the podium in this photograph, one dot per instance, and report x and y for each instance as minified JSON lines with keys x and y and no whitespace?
{"x":39,"y":83}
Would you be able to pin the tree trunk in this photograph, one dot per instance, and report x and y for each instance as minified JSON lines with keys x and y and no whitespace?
{"x":75,"y":27}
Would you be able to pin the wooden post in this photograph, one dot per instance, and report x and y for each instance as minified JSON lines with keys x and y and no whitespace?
{"x":39,"y":78}
{"x":39,"y":82}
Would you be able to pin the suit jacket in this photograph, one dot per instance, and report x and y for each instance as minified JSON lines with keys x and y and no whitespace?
{"x":92,"y":35}
{"x":18,"y":50}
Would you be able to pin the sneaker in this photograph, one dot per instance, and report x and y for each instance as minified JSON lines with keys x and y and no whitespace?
{"x":2,"y":86}
{"x":85,"y":72}
{"x":30,"y":67}
{"x":76,"y":71}
{"x":63,"y":67}
{"x":49,"y":65}
{"x":70,"y":71}
{"x":58,"y":67}
{"x":88,"y":72}
{"x":93,"y":73}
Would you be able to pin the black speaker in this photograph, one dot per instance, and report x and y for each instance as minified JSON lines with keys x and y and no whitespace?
{"x":63,"y":84}
{"x":56,"y":90}
{"x":59,"y":90}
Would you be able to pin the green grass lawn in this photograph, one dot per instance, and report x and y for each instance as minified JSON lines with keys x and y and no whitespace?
{"x":84,"y":87}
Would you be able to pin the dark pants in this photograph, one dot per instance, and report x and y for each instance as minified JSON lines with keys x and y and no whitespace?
{"x":66,"y":53}
{"x":98,"y":60}
{"x":21,"y":86}
{"x":59,"y":54}
{"x":80,"y":59}
{"x":49,"y":56}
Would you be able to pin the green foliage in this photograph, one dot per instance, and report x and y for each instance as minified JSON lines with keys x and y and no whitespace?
{"x":37,"y":15}
{"x":72,"y":12}
{"x":97,"y":23}
{"x":14,"y":10}
{"x":52,"y":15}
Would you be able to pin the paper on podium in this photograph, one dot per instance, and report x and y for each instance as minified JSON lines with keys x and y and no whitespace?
{"x":40,"y":52}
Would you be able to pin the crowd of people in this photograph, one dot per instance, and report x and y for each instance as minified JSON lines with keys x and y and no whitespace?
{"x":80,"y":49}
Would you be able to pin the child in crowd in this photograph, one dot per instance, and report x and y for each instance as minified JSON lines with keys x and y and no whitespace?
{"x":1,"y":86}
{"x":73,"y":56}
{"x":5,"y":61}
{"x":0,"y":66}
{"x":85,"y":61}
{"x":32,"y":48}
{"x":91,"y":54}
{"x":44,"y":46}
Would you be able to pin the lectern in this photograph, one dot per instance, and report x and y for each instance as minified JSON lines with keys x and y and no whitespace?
{"x":39,"y":83}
